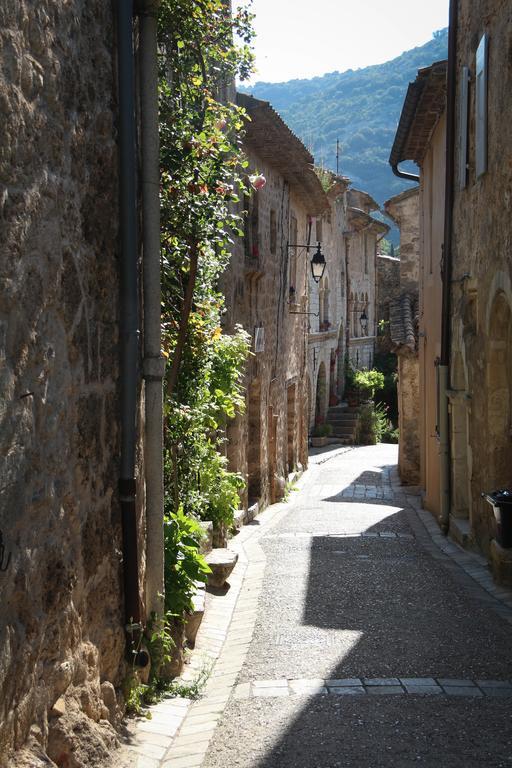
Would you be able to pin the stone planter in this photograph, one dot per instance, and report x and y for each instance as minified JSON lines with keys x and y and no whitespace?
{"x":319,"y":442}
{"x":193,"y":620}
{"x":174,"y":667}
{"x":222,"y":562}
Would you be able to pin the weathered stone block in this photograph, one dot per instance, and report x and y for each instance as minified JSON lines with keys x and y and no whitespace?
{"x":222,"y":562}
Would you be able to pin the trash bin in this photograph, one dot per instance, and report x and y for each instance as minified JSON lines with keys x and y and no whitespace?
{"x":501,"y":502}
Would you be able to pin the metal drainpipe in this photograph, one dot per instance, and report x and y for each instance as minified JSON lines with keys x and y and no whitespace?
{"x":444,"y":366}
{"x":129,"y":323}
{"x":154,"y":363}
{"x":404,"y":175}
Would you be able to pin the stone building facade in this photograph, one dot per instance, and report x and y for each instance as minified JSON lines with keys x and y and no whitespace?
{"x":328,"y":305}
{"x":62,"y":638}
{"x":361,"y":239}
{"x":266,"y":289}
{"x":403,"y":331}
{"x":421,"y":137}
{"x":480,"y":383}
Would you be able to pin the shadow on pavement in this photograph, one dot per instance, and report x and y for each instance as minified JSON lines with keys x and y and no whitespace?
{"x":395,"y":612}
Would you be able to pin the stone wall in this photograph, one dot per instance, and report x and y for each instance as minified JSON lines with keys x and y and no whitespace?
{"x":480,"y":373}
{"x":404,"y":210}
{"x":388,"y":284}
{"x":409,"y":417}
{"x":61,"y":621}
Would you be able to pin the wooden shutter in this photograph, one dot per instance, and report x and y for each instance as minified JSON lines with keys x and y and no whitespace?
{"x":463,"y":127}
{"x":481,"y":107}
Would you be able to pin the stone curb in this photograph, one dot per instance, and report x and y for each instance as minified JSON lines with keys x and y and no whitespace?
{"x":419,"y":686}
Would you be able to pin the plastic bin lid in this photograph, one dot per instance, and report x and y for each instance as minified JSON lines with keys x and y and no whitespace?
{"x":502,"y":495}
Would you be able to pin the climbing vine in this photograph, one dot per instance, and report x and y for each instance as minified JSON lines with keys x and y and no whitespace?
{"x":203,"y":47}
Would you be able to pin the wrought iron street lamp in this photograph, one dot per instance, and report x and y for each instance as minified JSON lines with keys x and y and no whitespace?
{"x":318,"y":265}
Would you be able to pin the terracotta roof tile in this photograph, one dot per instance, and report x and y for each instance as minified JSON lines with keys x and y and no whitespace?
{"x":403,"y":321}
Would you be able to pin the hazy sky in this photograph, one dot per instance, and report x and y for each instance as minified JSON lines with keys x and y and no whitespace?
{"x":297,"y":39}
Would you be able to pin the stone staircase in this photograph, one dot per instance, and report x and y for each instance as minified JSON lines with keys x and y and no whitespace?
{"x":343,"y":420}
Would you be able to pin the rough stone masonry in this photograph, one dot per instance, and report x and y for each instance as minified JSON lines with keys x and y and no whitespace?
{"x":61,"y":636}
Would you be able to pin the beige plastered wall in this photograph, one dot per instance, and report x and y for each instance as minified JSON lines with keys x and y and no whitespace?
{"x":431,"y":237}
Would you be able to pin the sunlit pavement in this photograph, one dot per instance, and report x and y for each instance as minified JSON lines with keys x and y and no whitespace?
{"x":359,"y":636}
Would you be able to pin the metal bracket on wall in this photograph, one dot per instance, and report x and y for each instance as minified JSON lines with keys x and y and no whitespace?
{"x":315,"y":314}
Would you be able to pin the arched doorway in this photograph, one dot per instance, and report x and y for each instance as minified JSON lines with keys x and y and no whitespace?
{"x":254,"y":442}
{"x":321,"y":395}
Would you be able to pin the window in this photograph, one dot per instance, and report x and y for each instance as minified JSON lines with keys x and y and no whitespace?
{"x":365,"y":246}
{"x":319,"y":230}
{"x":273,"y":231}
{"x":251,"y":228}
{"x":463,"y":127}
{"x":481,"y":107}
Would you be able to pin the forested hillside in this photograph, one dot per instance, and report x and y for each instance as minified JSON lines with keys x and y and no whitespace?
{"x":361,"y":108}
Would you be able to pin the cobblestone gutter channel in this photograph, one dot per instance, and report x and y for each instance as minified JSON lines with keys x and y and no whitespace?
{"x":335,"y":505}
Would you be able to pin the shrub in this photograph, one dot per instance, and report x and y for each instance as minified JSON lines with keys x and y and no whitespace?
{"x":322,"y":430}
{"x":372,"y":423}
{"x":184,"y":566}
{"x":368,"y":381}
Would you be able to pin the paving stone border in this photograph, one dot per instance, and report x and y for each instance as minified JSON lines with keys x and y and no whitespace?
{"x":344,"y":535}
{"x":419,"y":686}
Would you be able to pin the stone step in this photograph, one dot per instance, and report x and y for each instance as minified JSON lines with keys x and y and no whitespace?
{"x":193,"y":620}
{"x":343,"y":431}
{"x":222,"y":562}
{"x":348,"y":419}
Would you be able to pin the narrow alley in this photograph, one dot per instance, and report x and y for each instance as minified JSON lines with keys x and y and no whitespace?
{"x":362,"y":637}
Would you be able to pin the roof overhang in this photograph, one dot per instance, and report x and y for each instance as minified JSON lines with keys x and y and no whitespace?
{"x":358,"y":198}
{"x":359,"y":220}
{"x":268,"y":136}
{"x":424,"y":103}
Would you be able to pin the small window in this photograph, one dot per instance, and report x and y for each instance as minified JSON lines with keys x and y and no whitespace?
{"x":319,"y":230}
{"x":251,"y":227}
{"x":481,"y":107}
{"x":366,"y":254}
{"x":292,"y":274}
{"x":273,"y":231}
{"x":463,"y":127}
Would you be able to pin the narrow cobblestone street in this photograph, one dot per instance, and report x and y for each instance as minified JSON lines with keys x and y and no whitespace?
{"x":353,"y":634}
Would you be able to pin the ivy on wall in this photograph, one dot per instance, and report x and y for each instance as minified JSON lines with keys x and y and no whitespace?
{"x":203,"y":47}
